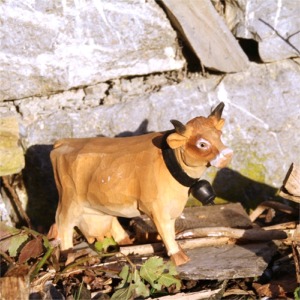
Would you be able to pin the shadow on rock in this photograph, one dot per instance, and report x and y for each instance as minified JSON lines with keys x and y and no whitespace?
{"x":234,"y":187}
{"x":40,"y":187}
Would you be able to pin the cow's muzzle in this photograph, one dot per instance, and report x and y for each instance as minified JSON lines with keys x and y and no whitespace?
{"x":222,"y":159}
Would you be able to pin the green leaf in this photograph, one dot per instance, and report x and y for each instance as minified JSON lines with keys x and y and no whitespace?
{"x":172,"y":268}
{"x":6,"y":231}
{"x":297,"y":293}
{"x":126,"y":277}
{"x":98,"y":246}
{"x":125,"y":289}
{"x":105,"y":244}
{"x":124,"y":293}
{"x":140,"y":288}
{"x":168,"y":279}
{"x":15,"y":243}
{"x":151,"y":270}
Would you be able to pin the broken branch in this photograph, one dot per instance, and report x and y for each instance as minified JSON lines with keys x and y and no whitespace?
{"x":245,"y":234}
{"x":271,"y":204}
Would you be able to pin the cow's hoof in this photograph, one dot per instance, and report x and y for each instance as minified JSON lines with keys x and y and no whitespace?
{"x":179,"y":258}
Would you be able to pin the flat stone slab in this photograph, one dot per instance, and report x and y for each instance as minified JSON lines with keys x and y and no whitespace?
{"x":227,"y":262}
{"x":228,"y":215}
{"x":207,"y":34}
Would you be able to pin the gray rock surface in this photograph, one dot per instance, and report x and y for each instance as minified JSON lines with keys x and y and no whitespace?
{"x":50,"y":46}
{"x":275,"y":25}
{"x":227,"y":262}
{"x":262,"y":113}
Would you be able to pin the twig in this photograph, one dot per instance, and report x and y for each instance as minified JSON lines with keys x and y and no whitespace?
{"x":16,"y":199}
{"x":271,"y":204}
{"x":282,"y":226}
{"x":185,"y":244}
{"x":247,"y":234}
{"x":6,"y":257}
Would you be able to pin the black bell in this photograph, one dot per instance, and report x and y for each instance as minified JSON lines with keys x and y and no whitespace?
{"x":203,"y":191}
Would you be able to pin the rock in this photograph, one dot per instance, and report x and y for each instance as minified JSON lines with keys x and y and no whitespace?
{"x":275,"y":25}
{"x":261,"y":113}
{"x":207,"y":34}
{"x":11,"y":153}
{"x":227,"y":261}
{"x":4,"y":213}
{"x":48,"y":47}
{"x":230,"y":215}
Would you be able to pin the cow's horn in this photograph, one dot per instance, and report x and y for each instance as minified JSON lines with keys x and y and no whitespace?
{"x":217,"y":112}
{"x":179,"y":127}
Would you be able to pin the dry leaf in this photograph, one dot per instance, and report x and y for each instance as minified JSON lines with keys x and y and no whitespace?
{"x":32,"y":249}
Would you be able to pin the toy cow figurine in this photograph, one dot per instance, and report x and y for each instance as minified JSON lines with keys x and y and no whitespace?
{"x":100,"y":179}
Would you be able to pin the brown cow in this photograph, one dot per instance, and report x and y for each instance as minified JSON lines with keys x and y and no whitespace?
{"x":100,"y":179}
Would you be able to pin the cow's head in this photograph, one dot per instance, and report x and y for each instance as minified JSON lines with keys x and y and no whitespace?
{"x":200,"y":142}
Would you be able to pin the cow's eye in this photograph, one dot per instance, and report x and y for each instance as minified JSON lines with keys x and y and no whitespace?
{"x":203,"y":144}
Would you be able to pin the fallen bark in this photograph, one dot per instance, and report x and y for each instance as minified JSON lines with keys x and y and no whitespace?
{"x":291,"y":184}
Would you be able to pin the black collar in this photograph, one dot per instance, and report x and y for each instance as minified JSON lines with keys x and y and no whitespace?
{"x":173,"y":165}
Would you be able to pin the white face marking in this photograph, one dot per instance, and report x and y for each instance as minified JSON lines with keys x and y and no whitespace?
{"x":222,"y":159}
{"x":203,"y":144}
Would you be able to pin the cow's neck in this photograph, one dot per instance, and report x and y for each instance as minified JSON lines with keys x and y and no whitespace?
{"x":184,"y":174}
{"x":192,"y":171}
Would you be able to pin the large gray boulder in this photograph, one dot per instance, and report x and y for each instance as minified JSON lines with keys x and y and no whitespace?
{"x":50,"y":46}
{"x":275,"y":25}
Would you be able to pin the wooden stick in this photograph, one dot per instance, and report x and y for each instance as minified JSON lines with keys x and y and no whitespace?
{"x":245,"y":234}
{"x":271,"y":204}
{"x":184,"y":244}
{"x":282,"y":226}
{"x":291,"y":184}
{"x":16,"y":200}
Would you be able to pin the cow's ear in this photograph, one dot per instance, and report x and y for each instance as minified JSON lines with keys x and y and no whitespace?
{"x":176,"y":140}
{"x":219,"y":124}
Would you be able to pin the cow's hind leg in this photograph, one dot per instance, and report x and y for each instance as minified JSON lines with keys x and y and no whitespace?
{"x":66,"y":220}
{"x":65,"y":226}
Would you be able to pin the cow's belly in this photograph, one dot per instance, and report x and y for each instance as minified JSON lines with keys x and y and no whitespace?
{"x":127,"y":210}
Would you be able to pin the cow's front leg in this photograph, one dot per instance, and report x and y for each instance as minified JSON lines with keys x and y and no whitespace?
{"x":166,"y":228}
